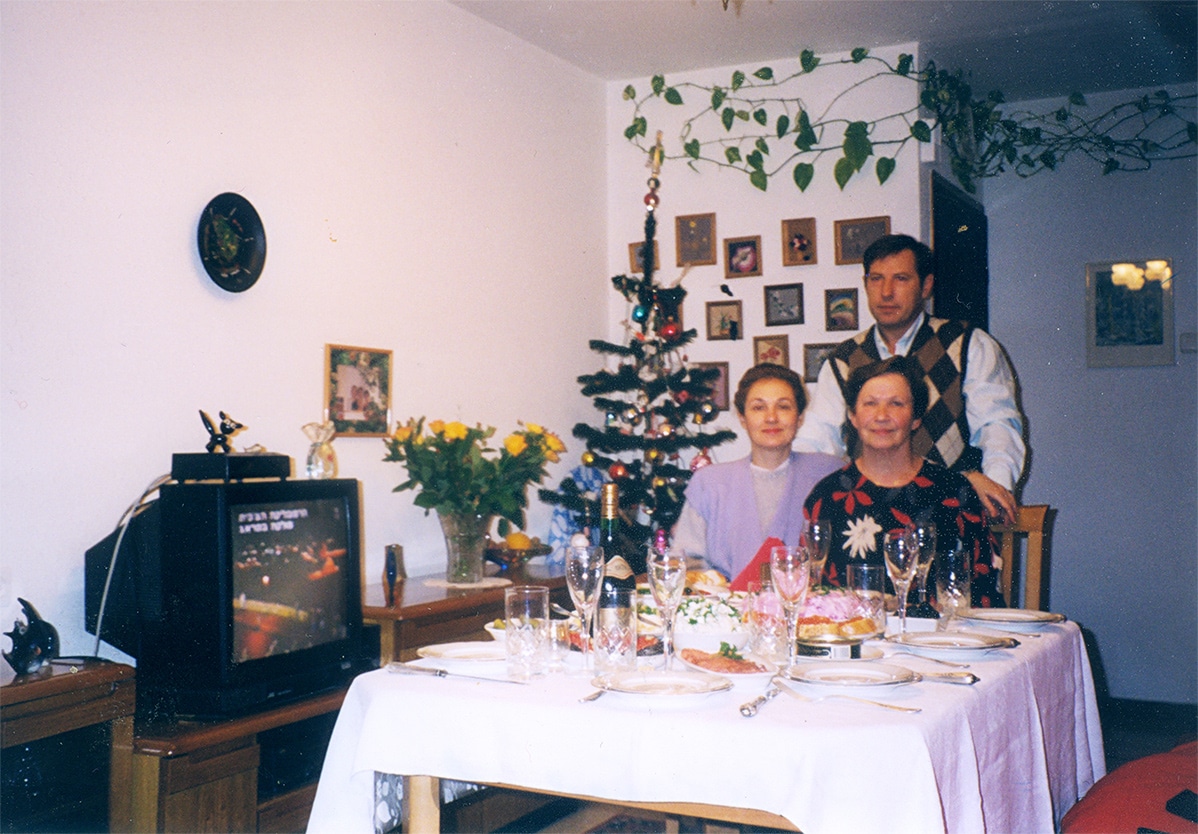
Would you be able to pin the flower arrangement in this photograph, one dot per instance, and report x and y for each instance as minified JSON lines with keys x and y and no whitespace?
{"x":457,"y":472}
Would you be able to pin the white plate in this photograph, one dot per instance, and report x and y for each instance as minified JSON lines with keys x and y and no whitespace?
{"x":1013,"y":619}
{"x":951,"y":643}
{"x":662,"y":683}
{"x":481,"y":650}
{"x":853,"y":674}
{"x":767,"y":671}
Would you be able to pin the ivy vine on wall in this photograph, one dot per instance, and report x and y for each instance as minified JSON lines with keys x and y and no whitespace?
{"x":759,"y":124}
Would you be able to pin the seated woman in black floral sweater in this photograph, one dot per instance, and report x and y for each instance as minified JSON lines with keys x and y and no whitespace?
{"x":887,"y":486}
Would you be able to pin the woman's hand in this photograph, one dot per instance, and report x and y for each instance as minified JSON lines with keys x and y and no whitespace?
{"x":997,"y":499}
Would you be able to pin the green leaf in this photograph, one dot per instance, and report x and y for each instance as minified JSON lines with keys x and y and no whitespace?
{"x":1192,"y":131}
{"x":857,"y":147}
{"x":1061,"y":115}
{"x":754,"y":159}
{"x":783,"y":125}
{"x":717,"y":97}
{"x":808,"y":61}
{"x":629,"y":93}
{"x":921,"y":131}
{"x":843,"y":170}
{"x":761,"y":117}
{"x":658,"y":83}
{"x":1049,"y":159}
{"x":637,"y":128}
{"x":732,"y":155}
{"x":692,"y":148}
{"x":858,"y":54}
{"x":1110,"y":166}
{"x":929,"y":99}
{"x":762,"y":145}
{"x":884,"y":168}
{"x":904,"y":64}
{"x":765,"y":74}
{"x":759,"y":179}
{"x":804,"y":172}
{"x":738,"y":78}
{"x":727,"y":116}
{"x":806,"y":139}
{"x":1077,"y":99}
{"x":673,"y":96}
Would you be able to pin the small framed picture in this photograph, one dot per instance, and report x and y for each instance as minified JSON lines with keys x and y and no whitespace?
{"x":742,"y":256}
{"x":724,"y":321}
{"x":775,"y":349}
{"x":719,"y":385}
{"x":840,"y":309}
{"x":813,"y":359}
{"x":636,"y":263}
{"x":853,"y":237}
{"x":783,"y":304}
{"x":357,"y":390}
{"x":1129,"y":313}
{"x":798,"y":242}
{"x":694,"y":239}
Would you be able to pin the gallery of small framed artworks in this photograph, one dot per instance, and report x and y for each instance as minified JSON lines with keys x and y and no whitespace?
{"x":784,"y":303}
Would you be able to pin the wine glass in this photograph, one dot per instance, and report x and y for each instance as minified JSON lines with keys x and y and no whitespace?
{"x":667,"y":578}
{"x":925,"y":539}
{"x":584,"y":576}
{"x":817,"y":538}
{"x":902,"y":558}
{"x":790,"y":568}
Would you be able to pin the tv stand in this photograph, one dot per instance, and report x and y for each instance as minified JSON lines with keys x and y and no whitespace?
{"x":252,"y":773}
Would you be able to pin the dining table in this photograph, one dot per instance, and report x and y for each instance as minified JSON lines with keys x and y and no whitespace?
{"x":1012,"y":752}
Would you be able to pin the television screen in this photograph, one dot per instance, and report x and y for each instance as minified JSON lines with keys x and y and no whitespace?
{"x":289,"y":576}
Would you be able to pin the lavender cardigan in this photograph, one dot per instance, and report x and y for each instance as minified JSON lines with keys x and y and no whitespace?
{"x":722,"y":494}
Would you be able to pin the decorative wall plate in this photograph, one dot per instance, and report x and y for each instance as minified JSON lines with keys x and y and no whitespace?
{"x":232,"y":242}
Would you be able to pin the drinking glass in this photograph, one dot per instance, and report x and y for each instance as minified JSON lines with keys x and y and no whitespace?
{"x":526,"y":632}
{"x":615,"y":632}
{"x":790,"y":570}
{"x":817,"y":538}
{"x":925,"y":539}
{"x":902,"y":558}
{"x":868,"y":582}
{"x":954,"y":568}
{"x":766,"y":617}
{"x":584,"y":576}
{"x":667,"y":578}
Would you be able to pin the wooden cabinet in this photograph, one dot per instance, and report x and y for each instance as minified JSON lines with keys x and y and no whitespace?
{"x":67,"y":734}
{"x":254,"y":773}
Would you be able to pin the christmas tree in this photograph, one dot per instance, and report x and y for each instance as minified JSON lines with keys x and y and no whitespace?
{"x":654,"y":406}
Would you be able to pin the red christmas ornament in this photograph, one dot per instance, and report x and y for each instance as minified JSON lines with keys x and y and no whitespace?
{"x":618,"y":471}
{"x":682,"y":396}
{"x":670,"y":331}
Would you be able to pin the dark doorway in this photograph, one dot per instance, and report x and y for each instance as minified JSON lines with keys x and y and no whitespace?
{"x":959,"y":238}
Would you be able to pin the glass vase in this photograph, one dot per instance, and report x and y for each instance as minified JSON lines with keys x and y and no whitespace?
{"x":465,"y":541}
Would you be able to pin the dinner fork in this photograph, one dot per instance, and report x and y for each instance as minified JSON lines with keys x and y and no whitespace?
{"x":796,"y":694}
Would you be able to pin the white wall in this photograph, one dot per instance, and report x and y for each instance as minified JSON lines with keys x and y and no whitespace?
{"x":1113,"y":449}
{"x":742,"y":210}
{"x":428,"y":184}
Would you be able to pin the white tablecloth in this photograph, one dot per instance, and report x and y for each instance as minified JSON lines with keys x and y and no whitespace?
{"x":1009,"y":754}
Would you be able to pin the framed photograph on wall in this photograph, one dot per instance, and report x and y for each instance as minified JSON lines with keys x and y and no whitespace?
{"x":719,"y":385}
{"x":1129,"y":313}
{"x":636,"y":263}
{"x":724,"y":321}
{"x":798,"y":242}
{"x":774,"y":349}
{"x":853,"y":237}
{"x":694,"y":239}
{"x":813,"y":358}
{"x":840,"y":309}
{"x":742,"y":256}
{"x":783,"y":304}
{"x":357,"y":390}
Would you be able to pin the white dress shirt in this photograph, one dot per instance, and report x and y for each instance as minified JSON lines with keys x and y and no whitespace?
{"x":995,"y":424}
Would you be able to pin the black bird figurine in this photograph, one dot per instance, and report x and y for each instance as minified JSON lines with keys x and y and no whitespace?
{"x":220,"y":439}
{"x":34,"y":644}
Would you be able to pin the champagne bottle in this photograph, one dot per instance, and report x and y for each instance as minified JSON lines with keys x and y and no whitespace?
{"x":617,"y":572}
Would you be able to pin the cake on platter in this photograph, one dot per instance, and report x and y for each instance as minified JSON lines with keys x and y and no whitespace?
{"x":834,"y":615}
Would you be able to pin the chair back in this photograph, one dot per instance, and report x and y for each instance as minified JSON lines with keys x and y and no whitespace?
{"x":1026,"y":568}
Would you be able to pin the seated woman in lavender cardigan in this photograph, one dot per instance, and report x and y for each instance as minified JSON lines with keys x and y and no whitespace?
{"x":732,"y":508}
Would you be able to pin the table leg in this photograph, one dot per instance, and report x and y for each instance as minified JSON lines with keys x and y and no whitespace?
{"x":422,"y":805}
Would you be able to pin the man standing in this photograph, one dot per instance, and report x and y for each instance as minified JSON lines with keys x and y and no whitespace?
{"x":972,"y":424}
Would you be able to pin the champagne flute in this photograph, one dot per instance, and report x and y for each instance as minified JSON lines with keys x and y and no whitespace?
{"x":667,"y":579}
{"x":925,"y":539}
{"x":817,"y":538}
{"x":902,"y":558}
{"x":790,"y":568}
{"x":584,"y":576}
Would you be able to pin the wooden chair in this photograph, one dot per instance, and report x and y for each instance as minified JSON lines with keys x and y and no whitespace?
{"x":1029,"y":567}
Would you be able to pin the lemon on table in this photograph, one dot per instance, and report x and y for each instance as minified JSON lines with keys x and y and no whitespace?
{"x":517,"y":541}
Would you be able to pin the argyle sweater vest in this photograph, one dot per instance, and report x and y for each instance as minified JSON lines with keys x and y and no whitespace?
{"x":941,"y":348}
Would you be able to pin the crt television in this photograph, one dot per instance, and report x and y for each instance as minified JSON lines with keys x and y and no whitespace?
{"x":234,"y":595}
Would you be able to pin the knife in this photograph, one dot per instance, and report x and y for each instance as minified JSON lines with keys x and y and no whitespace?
{"x":405,"y":669}
{"x":750,"y":709}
